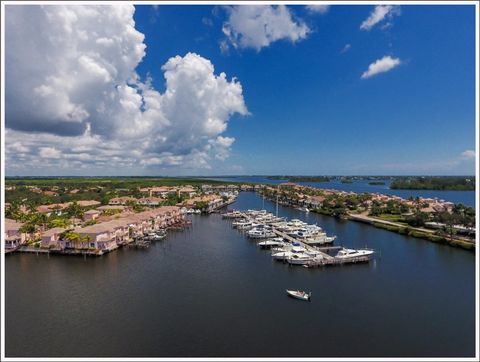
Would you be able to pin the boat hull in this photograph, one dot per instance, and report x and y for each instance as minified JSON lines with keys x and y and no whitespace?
{"x":299,"y":295}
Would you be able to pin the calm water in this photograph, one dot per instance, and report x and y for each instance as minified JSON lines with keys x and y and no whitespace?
{"x":208,"y":291}
{"x":464,"y":197}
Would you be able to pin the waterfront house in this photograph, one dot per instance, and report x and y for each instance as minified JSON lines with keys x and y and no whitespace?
{"x":94,"y":237}
{"x":212,"y":201}
{"x":313,"y":202}
{"x":13,"y":236}
{"x":51,"y":238}
{"x":108,"y":235}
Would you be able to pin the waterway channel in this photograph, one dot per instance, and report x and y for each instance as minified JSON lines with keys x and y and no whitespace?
{"x":209,"y":291}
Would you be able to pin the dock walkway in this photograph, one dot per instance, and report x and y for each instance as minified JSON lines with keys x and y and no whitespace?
{"x":323,"y":259}
{"x":305,"y":245}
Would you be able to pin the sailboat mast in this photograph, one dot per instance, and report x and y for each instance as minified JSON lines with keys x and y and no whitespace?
{"x":277,"y":206}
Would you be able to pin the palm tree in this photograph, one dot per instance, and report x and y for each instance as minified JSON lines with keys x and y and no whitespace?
{"x":71,"y":236}
{"x":74,"y":210}
{"x":59,"y":223}
{"x":86,"y":239}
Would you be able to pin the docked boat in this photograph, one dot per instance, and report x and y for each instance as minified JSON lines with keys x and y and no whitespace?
{"x":243,"y":225}
{"x":299,"y":259}
{"x":299,"y":294}
{"x":353,"y":253}
{"x":232,"y":215}
{"x":155,"y":236}
{"x":321,"y":239}
{"x":268,"y":244}
{"x":281,"y":255}
{"x":260,"y":233}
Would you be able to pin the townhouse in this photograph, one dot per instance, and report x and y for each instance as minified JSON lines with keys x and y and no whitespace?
{"x":13,"y":236}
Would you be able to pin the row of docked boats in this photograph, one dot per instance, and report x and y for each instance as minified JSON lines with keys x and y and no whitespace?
{"x":260,"y":225}
{"x":291,"y":241}
{"x":144,"y":240}
{"x":155,"y":236}
{"x":297,"y":254}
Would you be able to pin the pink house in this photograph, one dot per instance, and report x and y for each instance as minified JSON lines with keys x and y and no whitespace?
{"x":13,"y":236}
{"x":51,"y":238}
{"x":91,"y":215}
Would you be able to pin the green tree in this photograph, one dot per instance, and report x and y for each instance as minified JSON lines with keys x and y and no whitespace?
{"x":74,"y":210}
{"x":417,"y":219}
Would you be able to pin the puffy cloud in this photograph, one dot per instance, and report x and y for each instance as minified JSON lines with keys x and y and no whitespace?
{"x":382,"y":65}
{"x":379,"y":13}
{"x":320,"y":9}
{"x":67,"y":66}
{"x":194,"y":109}
{"x":82,"y":104}
{"x":468,"y":154}
{"x":257,"y":26}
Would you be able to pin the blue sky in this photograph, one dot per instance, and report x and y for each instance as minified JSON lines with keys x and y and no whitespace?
{"x":310,"y":111}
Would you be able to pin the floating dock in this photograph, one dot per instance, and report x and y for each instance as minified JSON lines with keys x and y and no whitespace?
{"x":323,"y":257}
{"x":305,"y":245}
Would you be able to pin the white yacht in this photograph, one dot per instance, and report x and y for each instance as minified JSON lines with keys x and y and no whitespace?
{"x":299,"y":259}
{"x":299,"y":294}
{"x":353,"y":253}
{"x":282,"y":255}
{"x":260,"y":233}
{"x":267,"y":244}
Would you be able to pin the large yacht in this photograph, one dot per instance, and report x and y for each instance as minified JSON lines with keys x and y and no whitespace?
{"x":353,"y":253}
{"x":257,"y":233}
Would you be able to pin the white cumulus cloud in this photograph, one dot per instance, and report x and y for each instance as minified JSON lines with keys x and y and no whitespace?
{"x":67,"y":66}
{"x":382,"y":65}
{"x":74,"y":100}
{"x":380,"y":13}
{"x":321,"y":9}
{"x":257,"y":26}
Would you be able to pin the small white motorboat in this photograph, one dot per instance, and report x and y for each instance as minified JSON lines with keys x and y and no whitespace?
{"x":299,"y":294}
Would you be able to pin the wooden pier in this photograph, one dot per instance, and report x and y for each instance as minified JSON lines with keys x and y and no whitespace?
{"x":306,"y":246}
{"x":323,"y":257}
{"x":337,"y":261}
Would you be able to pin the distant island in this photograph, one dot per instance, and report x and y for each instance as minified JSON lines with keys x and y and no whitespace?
{"x":301,"y":178}
{"x":443,"y":183}
{"x":376,"y":183}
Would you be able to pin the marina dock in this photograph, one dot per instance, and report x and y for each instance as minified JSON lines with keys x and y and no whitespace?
{"x":305,"y":245}
{"x":320,"y":257}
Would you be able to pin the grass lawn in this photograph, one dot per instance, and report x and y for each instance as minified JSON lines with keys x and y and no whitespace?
{"x":393,"y":218}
